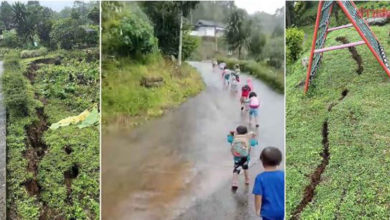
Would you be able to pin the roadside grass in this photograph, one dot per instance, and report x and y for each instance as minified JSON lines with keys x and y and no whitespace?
{"x":271,"y":76}
{"x":61,"y":90}
{"x":128,"y":104}
{"x":355,"y":183}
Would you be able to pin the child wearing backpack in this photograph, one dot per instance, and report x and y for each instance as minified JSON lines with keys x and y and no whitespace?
{"x":245,"y":90}
{"x":241,"y":143}
{"x":254,"y":105}
{"x":269,"y":186}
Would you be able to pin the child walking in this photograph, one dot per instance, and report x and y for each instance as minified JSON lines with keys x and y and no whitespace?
{"x":245,"y":90}
{"x":254,"y":105}
{"x":241,"y":143}
{"x":226,"y":75}
{"x":269,"y":186}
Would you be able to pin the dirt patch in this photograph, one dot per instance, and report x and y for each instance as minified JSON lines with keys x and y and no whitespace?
{"x":344,"y":93}
{"x":32,"y":187}
{"x":354,"y":54}
{"x":68,"y":149}
{"x":69,"y":175}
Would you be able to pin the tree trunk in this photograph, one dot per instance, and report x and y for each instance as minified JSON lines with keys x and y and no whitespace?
{"x":180,"y":37}
{"x":239,"y":52}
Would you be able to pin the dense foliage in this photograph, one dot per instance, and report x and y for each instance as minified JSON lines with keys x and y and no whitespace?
{"x":127,"y":31}
{"x":238,"y":30}
{"x":30,"y":25}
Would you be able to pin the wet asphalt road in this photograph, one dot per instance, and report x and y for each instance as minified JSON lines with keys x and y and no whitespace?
{"x":2,"y":150}
{"x":180,"y":166}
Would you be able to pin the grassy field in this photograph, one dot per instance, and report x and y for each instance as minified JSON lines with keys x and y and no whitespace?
{"x":340,"y":126}
{"x":51,"y":174}
{"x":127,"y":103}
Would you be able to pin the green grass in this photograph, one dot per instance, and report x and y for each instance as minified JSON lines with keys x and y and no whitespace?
{"x":62,"y":90}
{"x":355,"y":184}
{"x":273,"y":77}
{"x":126,"y":102}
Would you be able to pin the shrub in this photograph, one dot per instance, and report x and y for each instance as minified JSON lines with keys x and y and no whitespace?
{"x":15,"y":87}
{"x":33,"y":53}
{"x":190,"y":44}
{"x":294,"y":39}
{"x":128,"y":33}
{"x":10,"y":39}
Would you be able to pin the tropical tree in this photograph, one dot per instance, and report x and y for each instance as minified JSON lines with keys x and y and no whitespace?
{"x":6,"y":15}
{"x":256,"y":44}
{"x":238,"y":30}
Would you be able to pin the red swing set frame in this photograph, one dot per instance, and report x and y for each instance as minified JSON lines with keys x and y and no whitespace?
{"x":354,"y":24}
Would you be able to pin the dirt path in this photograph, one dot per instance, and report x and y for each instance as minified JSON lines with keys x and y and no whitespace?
{"x":2,"y":150}
{"x":180,"y":166}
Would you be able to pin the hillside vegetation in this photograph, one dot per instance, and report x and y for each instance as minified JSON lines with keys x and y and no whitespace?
{"x":51,"y":88}
{"x":337,"y":135}
{"x":51,"y":172}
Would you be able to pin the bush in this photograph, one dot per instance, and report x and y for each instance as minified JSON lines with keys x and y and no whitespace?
{"x":294,"y":39}
{"x":68,"y":34}
{"x":33,"y":53}
{"x":190,"y":44}
{"x":15,"y":87}
{"x":128,"y":33}
{"x":10,"y":39}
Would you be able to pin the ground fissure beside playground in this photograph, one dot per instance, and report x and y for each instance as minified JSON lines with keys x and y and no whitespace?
{"x":354,"y":182}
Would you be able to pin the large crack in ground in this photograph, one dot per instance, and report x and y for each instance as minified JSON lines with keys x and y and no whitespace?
{"x":355,"y":55}
{"x":315,"y":177}
{"x":35,"y":145}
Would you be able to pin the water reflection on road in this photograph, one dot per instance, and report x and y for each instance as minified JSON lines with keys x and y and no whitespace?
{"x":180,"y":166}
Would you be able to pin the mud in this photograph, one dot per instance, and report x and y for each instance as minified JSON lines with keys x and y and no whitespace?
{"x":32,"y":187}
{"x":355,"y":55}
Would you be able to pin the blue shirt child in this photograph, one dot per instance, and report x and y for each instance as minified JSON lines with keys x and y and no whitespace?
{"x":270,"y":186}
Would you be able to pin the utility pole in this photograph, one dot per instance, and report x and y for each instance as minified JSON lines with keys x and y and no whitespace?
{"x":180,"y":36}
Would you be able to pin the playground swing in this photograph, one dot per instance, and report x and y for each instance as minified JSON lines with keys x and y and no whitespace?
{"x":321,"y":29}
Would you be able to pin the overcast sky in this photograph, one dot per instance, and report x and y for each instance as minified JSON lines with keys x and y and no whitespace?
{"x":252,"y":6}
{"x":55,"y":5}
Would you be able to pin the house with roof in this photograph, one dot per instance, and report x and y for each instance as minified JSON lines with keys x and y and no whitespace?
{"x":205,"y":28}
